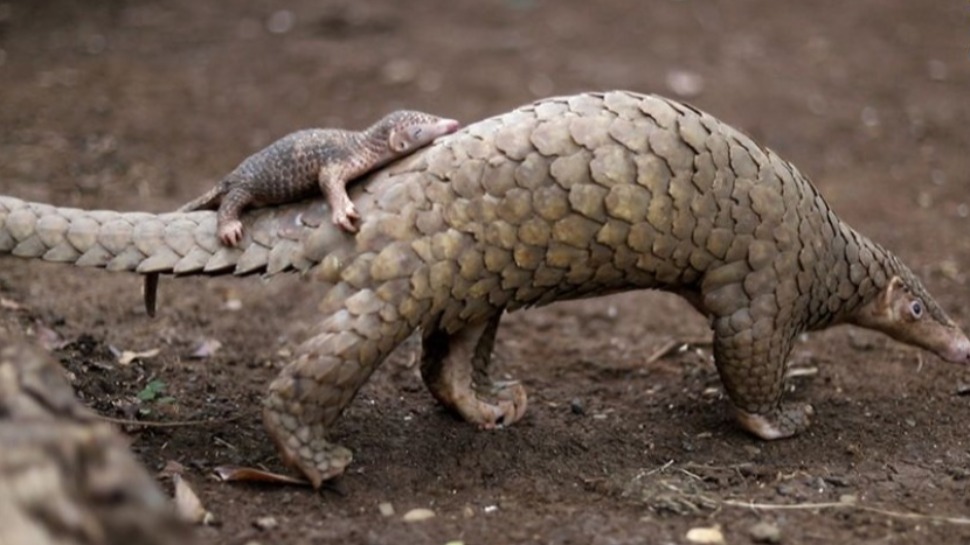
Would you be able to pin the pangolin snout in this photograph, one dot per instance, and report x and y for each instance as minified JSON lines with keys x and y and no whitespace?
{"x":449,"y":126}
{"x":958,"y":350}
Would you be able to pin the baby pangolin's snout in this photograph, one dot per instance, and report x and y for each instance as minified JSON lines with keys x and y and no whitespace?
{"x":448,"y":126}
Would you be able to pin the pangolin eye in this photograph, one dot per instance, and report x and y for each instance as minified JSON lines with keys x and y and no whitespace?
{"x":916,"y":309}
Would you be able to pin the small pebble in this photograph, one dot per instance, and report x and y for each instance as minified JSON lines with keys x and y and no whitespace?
{"x":266,"y":523}
{"x":837,"y":480}
{"x":752,"y":450}
{"x":399,"y":71}
{"x":418,"y":515}
{"x":386,"y":509}
{"x":848,"y":499}
{"x":576,"y":406}
{"x":937,"y":70}
{"x":281,"y":22}
{"x":870,"y":117}
{"x":924,"y":199}
{"x":685,"y":83}
{"x":765,"y":532}
{"x":705,"y":535}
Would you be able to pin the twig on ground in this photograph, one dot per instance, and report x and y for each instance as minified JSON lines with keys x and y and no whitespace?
{"x":673,"y":345}
{"x":167,"y":424}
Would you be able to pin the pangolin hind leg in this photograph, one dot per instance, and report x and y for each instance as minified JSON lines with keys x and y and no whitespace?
{"x":230,"y":229}
{"x":455,"y":369}
{"x":312,"y":391}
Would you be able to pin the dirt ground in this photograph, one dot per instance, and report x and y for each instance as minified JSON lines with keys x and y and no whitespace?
{"x":140,"y":105}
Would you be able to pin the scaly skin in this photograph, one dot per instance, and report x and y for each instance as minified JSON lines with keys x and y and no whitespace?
{"x":565,"y":198}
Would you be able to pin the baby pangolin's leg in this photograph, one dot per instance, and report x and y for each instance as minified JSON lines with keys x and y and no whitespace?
{"x":333,"y":182}
{"x":230,"y":229}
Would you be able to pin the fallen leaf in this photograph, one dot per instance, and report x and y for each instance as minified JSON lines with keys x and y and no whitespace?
{"x":206,"y":349}
{"x":10,"y":304}
{"x":171,"y":469}
{"x":253,"y":475}
{"x":129,"y":356}
{"x":188,"y":505}
{"x":47,"y":337}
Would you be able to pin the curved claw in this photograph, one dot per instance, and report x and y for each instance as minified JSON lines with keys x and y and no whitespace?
{"x":495,"y":405}
{"x":346,"y":217}
{"x":230,"y":233}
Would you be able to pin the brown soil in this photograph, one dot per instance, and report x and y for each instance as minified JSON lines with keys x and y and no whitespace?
{"x":142,"y":104}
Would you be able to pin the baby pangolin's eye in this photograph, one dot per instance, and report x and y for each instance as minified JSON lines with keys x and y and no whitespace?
{"x":916,"y":308}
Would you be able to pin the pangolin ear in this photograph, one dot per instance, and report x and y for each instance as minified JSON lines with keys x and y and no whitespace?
{"x":891,"y":292}
{"x":396,"y":140}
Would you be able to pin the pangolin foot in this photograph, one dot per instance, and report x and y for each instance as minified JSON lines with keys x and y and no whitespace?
{"x":784,"y":421}
{"x":346,"y":217}
{"x":306,"y":448}
{"x":494,"y":404}
{"x":230,"y":232}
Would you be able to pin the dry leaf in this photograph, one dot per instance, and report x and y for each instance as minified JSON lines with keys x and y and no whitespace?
{"x":253,"y":475}
{"x":188,"y":505}
{"x":206,"y":349}
{"x":128,"y":356}
{"x":171,"y":469}
{"x":47,"y":337}
{"x":10,"y":304}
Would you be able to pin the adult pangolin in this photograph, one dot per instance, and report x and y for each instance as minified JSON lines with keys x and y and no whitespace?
{"x":565,"y":198}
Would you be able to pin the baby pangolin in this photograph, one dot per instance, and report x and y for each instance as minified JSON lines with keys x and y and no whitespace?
{"x":297,"y":165}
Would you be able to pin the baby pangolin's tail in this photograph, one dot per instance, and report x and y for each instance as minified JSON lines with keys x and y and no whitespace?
{"x":207,"y":201}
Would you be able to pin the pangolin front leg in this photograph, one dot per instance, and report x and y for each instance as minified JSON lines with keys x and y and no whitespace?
{"x":455,"y":369}
{"x":333,"y":180}
{"x":751,"y":363}
{"x":312,"y":391}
